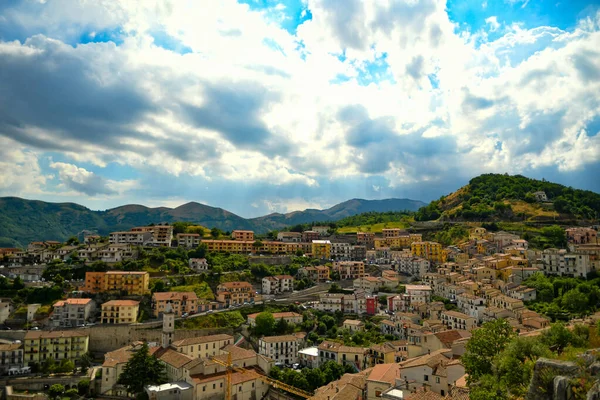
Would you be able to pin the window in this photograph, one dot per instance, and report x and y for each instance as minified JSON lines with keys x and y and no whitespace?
{"x":426,"y":379}
{"x":437,"y":379}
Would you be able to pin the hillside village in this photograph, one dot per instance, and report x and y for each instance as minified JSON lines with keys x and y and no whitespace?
{"x":392,"y":311}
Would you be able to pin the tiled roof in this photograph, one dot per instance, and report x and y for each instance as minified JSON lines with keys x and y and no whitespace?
{"x":119,"y":303}
{"x":9,"y":346}
{"x":422,"y":394}
{"x":173,"y":357}
{"x":385,"y":373}
{"x":202,"y":339}
{"x":232,"y":285}
{"x":353,"y":322}
{"x":122,"y":355}
{"x":449,"y":337}
{"x":347,"y":387}
{"x":53,"y":334}
{"x":277,"y":339}
{"x":80,"y":302}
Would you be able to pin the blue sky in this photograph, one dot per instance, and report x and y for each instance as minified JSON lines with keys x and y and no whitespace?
{"x":262,"y":106}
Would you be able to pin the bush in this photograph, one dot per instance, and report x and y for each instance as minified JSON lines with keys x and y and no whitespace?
{"x":72,"y":393}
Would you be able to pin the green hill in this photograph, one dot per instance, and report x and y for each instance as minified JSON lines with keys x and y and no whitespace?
{"x":497,"y":197}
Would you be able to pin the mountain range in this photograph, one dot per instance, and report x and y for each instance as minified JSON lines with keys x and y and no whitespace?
{"x":23,"y":221}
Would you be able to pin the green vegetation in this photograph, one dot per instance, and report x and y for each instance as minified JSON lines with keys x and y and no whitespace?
{"x":142,"y":369}
{"x":451,"y":234}
{"x":563,"y":298}
{"x":201,"y":289}
{"x":368,"y":222}
{"x":500,"y":364}
{"x":310,"y":379}
{"x":227,"y":319}
{"x":506,"y":197}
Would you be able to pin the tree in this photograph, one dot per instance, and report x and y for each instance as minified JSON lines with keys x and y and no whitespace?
{"x":72,"y":393}
{"x":56,"y":390}
{"x":484,"y":345}
{"x":215,"y":232}
{"x":282,"y":326}
{"x":18,"y":283}
{"x":488,"y":388}
{"x":142,"y":369}
{"x":199,"y":252}
{"x":65,"y":365}
{"x":265,"y":322}
{"x":83,"y":386}
{"x":575,"y":301}
{"x":557,"y":337}
{"x":257,"y":245}
{"x":383,"y":300}
{"x":48,"y":365}
{"x":73,"y":241}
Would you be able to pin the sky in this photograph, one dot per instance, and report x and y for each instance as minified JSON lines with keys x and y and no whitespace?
{"x":261,"y":106}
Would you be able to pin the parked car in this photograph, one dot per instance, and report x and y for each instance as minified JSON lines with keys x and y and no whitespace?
{"x":184,"y":315}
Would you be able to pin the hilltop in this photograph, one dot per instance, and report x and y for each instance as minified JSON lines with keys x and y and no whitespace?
{"x":498,"y":197}
{"x":23,"y":221}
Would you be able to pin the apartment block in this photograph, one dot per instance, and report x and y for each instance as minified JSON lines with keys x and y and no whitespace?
{"x":582,"y":235}
{"x":203,"y":346}
{"x":11,"y":356}
{"x":38,"y":346}
{"x":309,"y":236}
{"x":349,"y":269}
{"x":458,"y":320}
{"x":178,"y":302}
{"x":277,"y":284}
{"x":345,"y":355}
{"x":235,"y":293}
{"x":431,"y":251}
{"x":71,"y":313}
{"x":369,"y":284}
{"x":560,"y":262}
{"x":130,"y":282}
{"x":120,"y":312}
{"x":129,"y":237}
{"x":118,"y":252}
{"x":242,"y":235}
{"x":365,"y":238}
{"x":162,"y":235}
{"x":341,"y":251}
{"x":472,"y":305}
{"x":188,"y":240}
{"x":289,"y":237}
{"x":321,"y":249}
{"x":319,"y":273}
{"x":414,"y":266}
{"x":283,"y":349}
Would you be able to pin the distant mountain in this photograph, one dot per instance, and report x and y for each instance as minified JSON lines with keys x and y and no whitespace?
{"x":23,"y":221}
{"x":503,"y":197}
{"x":337,"y":212}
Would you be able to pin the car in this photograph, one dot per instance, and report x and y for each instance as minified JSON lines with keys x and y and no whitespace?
{"x":184,"y":315}
{"x":209,"y":311}
{"x":296,"y":366}
{"x":35,"y":328}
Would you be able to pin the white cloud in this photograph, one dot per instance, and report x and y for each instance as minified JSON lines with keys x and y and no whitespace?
{"x":493,"y":23}
{"x":83,"y":181}
{"x":21,"y":174}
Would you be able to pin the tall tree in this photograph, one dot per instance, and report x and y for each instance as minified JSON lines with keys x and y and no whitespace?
{"x":265,"y":322}
{"x":484,"y":345}
{"x":142,"y":369}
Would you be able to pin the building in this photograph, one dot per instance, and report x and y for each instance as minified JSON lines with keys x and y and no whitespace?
{"x":235,"y":293}
{"x":120,"y":311}
{"x":71,"y":313}
{"x":341,"y":354}
{"x":353,"y":325}
{"x":393,"y":232}
{"x":162,"y":235}
{"x":365,"y":238}
{"x":321,"y":249}
{"x":203,"y":346}
{"x":369,"y":284}
{"x":540,"y":195}
{"x":309,"y":357}
{"x":320,"y":229}
{"x":289,"y":317}
{"x":242,"y":235}
{"x":471,"y":305}
{"x":39,"y":346}
{"x":117,"y":252}
{"x":414,"y":266}
{"x":188,"y":240}
{"x":320,"y":273}
{"x":179,"y":302}
{"x":277,"y":284}
{"x":198,"y":264}
{"x":560,"y":262}
{"x":382,"y":378}
{"x":11,"y":356}
{"x":309,"y":236}
{"x":292,"y":237}
{"x":349,"y":269}
{"x":431,"y":251}
{"x":170,"y":391}
{"x":6,"y":308}
{"x":582,"y":235}
{"x":458,"y":320}
{"x":129,"y":237}
{"x":130,"y":282}
{"x":283,"y":349}
{"x":341,"y":251}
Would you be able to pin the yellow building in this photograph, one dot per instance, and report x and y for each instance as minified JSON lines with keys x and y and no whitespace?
{"x":120,"y":311}
{"x":58,"y":345}
{"x":431,"y":251}
{"x":478,"y":233}
{"x":131,"y":282}
{"x":321,"y":249}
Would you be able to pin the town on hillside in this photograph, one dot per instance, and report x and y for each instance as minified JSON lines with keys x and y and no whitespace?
{"x":160,"y":312}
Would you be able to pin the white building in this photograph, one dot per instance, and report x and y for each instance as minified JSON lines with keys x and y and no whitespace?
{"x":414,"y":266}
{"x":198,"y":264}
{"x":71,"y":313}
{"x":369,"y":284}
{"x":118,"y":252}
{"x":189,"y":240}
{"x":471,"y":305}
{"x":309,"y":357}
{"x":277,"y":284}
{"x":560,"y":262}
{"x":282,"y":349}
{"x":170,"y":391}
{"x":458,"y":320}
{"x":341,"y":251}
{"x":294,"y":237}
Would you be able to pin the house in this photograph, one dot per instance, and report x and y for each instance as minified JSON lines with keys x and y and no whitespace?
{"x":321,"y":249}
{"x":289,"y":317}
{"x":321,"y":229}
{"x":381,"y":353}
{"x":39,"y":346}
{"x":540,"y":196}
{"x":559,"y":262}
{"x":436,"y":371}
{"x":188,"y":240}
{"x":345,"y":355}
{"x":431,"y":251}
{"x":434,"y":341}
{"x":170,"y":391}
{"x":283,"y":349}
{"x":161,"y":235}
{"x":415,"y":266}
{"x":71,"y":313}
{"x":582,"y":235}
{"x":458,"y":320}
{"x":309,"y":236}
{"x":353,"y":325}
{"x":309,"y":357}
{"x":365,"y":238}
{"x":178,"y":302}
{"x":120,"y":312}
{"x":277,"y":284}
{"x":117,"y":252}
{"x":203,"y":346}
{"x":130,"y":282}
{"x":369,"y":284}
{"x":471,"y":305}
{"x":348,"y":387}
{"x":349,"y":269}
{"x":235,"y":293}
{"x":289,"y":237}
{"x":330,"y":302}
{"x":341,"y":251}
{"x":198,"y":264}
{"x":242,"y":235}
{"x":381,"y":378}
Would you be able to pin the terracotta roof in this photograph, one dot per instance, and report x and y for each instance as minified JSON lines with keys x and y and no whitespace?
{"x":9,"y":346}
{"x":202,"y":339}
{"x":81,"y":302}
{"x":347,"y":387}
{"x":173,"y":357}
{"x":457,"y":314}
{"x":385,"y":373}
{"x":164,"y":296}
{"x":429,"y":359}
{"x":236,"y":377}
{"x":122,"y":355}
{"x":232,"y":285}
{"x":237,"y":353}
{"x":282,"y":338}
{"x":126,"y":272}
{"x":353,"y":322}
{"x":119,"y":303}
{"x":422,"y":394}
{"x":449,"y":337}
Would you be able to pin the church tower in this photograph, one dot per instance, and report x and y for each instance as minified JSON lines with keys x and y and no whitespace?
{"x":168,"y":328}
